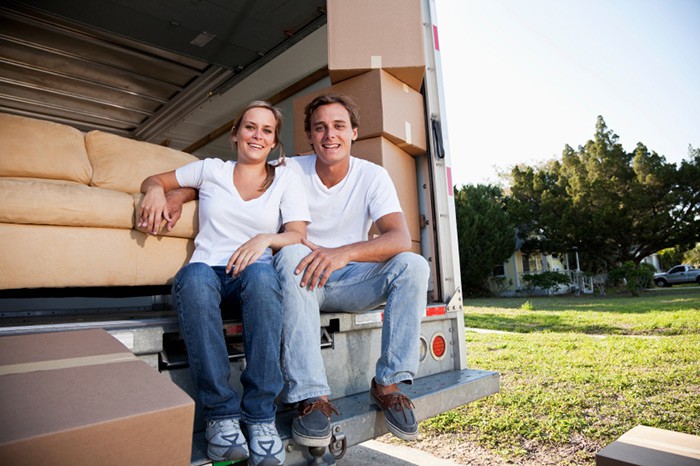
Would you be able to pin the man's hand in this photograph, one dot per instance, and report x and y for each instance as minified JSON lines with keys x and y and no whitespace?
{"x":319,"y":265}
{"x":173,"y":205}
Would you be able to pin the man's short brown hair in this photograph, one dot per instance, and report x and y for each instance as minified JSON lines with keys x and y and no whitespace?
{"x":327,"y":99}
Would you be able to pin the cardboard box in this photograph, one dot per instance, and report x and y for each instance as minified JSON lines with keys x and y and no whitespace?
{"x":81,"y":397}
{"x":388,"y":108}
{"x":415,"y":247}
{"x":368,"y":34}
{"x":402,"y":170}
{"x":648,"y":446}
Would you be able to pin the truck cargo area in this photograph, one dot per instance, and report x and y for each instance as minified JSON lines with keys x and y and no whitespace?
{"x":172,"y":74}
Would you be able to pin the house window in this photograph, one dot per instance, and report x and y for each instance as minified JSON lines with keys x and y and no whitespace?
{"x":535,"y":263}
{"x":499,"y":271}
{"x":532,"y":263}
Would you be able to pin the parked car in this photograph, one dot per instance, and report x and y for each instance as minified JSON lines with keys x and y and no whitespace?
{"x":676,"y":275}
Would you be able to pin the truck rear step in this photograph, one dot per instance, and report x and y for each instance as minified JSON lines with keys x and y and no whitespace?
{"x":360,"y":420}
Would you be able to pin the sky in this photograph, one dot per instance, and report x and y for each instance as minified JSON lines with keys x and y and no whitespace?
{"x":524,"y":78}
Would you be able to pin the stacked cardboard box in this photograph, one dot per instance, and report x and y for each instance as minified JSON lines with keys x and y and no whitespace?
{"x":648,"y":446}
{"x":82,"y":397}
{"x":387,"y":106}
{"x":380,"y":64}
{"x":402,"y":170}
{"x":368,"y":34}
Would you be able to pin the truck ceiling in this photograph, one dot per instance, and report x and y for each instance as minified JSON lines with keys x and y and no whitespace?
{"x":135,"y":67}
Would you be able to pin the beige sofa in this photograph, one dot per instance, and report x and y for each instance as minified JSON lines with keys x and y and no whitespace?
{"x":68,"y":204}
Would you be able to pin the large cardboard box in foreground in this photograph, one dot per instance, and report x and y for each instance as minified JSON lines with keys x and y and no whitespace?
{"x":649,"y":446}
{"x":370,"y":34}
{"x":387,"y":106}
{"x":81,"y":397}
{"x":402,"y":170}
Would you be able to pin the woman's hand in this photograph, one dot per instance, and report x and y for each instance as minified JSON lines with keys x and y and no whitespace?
{"x":249,"y":252}
{"x":153,"y":209}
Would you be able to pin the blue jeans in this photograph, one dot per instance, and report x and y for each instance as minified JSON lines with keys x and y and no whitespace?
{"x":401,"y":283}
{"x":198,"y":290}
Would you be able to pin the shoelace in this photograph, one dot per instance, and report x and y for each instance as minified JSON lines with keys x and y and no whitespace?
{"x":325,"y":406}
{"x":266,"y":430}
{"x":224,"y":423}
{"x":400,"y":401}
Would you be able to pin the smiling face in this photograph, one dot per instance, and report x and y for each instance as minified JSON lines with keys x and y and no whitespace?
{"x":331,"y":134}
{"x":255,"y":135}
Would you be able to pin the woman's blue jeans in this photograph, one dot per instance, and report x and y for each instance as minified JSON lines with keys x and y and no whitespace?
{"x":198,"y":291}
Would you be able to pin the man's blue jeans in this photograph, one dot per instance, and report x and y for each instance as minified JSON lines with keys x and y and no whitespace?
{"x":401,"y":283}
{"x":198,"y":290}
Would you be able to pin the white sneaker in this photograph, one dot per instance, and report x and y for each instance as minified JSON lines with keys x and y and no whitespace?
{"x":266,"y":447}
{"x":226,"y":441}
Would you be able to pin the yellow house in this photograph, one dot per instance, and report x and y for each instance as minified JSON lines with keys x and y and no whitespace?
{"x":507,"y":279}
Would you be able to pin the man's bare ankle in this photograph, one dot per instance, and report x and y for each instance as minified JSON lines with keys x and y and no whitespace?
{"x":386,"y":389}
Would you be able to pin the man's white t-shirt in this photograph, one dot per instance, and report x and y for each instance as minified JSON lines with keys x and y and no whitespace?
{"x":226,"y":221}
{"x":344,"y":213}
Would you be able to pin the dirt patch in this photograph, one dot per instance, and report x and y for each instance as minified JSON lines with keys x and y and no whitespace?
{"x":461,"y":450}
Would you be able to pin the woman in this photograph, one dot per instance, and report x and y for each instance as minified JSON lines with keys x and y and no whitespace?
{"x":242,"y":206}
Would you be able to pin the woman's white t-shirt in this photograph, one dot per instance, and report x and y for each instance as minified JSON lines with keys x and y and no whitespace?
{"x":344,"y":213}
{"x":226,"y":221}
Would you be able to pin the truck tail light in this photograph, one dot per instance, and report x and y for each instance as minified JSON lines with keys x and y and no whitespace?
{"x":438,"y":346}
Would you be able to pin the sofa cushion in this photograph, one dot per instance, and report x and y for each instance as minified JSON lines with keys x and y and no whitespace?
{"x":122,"y":164}
{"x":41,"y":256}
{"x":42,"y":149}
{"x":54,"y":202}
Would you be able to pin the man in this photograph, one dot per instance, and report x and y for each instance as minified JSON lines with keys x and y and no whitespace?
{"x":339,"y":269}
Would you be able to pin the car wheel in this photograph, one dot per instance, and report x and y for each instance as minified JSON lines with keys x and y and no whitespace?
{"x":661,"y":283}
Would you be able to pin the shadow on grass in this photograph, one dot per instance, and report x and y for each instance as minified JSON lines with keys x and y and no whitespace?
{"x":528,"y":323}
{"x":655,"y":299}
{"x":674,"y":312}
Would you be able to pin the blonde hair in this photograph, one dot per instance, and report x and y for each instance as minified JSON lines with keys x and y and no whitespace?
{"x":270,"y":168}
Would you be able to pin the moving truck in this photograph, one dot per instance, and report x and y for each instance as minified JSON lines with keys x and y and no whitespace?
{"x":172,"y":73}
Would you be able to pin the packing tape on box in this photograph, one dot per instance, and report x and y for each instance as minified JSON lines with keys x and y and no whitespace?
{"x":407,"y":125}
{"x":376,"y":62}
{"x":66,"y":363}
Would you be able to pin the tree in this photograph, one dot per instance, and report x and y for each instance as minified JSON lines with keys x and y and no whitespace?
{"x":670,"y":257}
{"x":485,"y":233}
{"x":612,"y":205}
{"x":692,"y":257}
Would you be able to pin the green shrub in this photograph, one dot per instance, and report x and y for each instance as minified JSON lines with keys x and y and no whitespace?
{"x":545,"y":281}
{"x":633,"y":277}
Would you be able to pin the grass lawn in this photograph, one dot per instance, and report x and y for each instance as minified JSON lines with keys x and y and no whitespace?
{"x":577,"y":372}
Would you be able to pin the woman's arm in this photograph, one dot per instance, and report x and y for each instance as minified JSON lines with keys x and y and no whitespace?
{"x":251,"y":250}
{"x":154,"y":207}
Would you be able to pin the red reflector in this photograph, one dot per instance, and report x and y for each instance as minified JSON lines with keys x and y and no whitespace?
{"x":435,"y":37}
{"x":435,"y":311}
{"x":438,"y":346}
{"x":235,"y":329}
{"x":450,"y":188}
